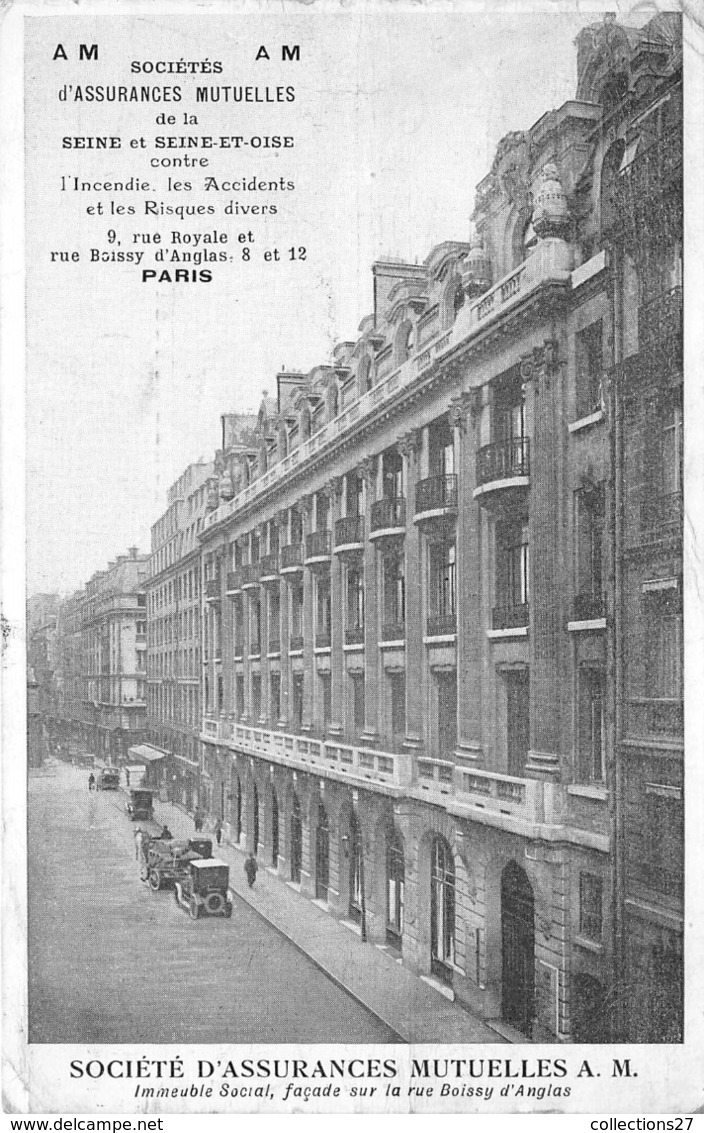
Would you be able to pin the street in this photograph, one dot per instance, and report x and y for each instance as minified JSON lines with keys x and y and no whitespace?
{"x":110,"y":961}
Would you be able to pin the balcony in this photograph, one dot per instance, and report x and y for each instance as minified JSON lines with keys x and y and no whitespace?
{"x":322,"y":639}
{"x":503,"y":473}
{"x":269,"y":568}
{"x":500,"y":795}
{"x":295,"y":643}
{"x":654,"y":173}
{"x":588,"y":607}
{"x":440,"y":625}
{"x":292,"y":559}
{"x":317,"y":548}
{"x":349,"y":536}
{"x":234,"y":581}
{"x":393,"y":631}
{"x":354,"y":636}
{"x":660,"y":330}
{"x":436,"y":501}
{"x":510,"y":617}
{"x":212,"y":590}
{"x":251,"y":575}
{"x":389,"y":771}
{"x":388,"y":521}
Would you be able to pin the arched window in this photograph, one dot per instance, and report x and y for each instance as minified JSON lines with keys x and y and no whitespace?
{"x":365,"y":376}
{"x":322,"y":854}
{"x":442,"y":909}
{"x":524,"y":238}
{"x":274,"y":829}
{"x":404,"y":342}
{"x":333,"y":402}
{"x":255,"y":819}
{"x":305,"y":423}
{"x":458,"y":298}
{"x":355,"y":895}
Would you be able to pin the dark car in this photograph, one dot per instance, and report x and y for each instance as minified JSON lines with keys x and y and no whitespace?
{"x":204,"y":890}
{"x":165,"y":863}
{"x":108,"y":779}
{"x":140,"y":804}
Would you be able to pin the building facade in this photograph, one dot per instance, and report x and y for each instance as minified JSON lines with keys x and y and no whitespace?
{"x":71,"y":730}
{"x":113,"y":648}
{"x":643,"y":188}
{"x":414,"y":662}
{"x":174,"y":632}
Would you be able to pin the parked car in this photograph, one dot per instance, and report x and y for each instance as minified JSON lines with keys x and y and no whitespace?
{"x":108,"y":779}
{"x":167,"y":862}
{"x":204,"y":890}
{"x":140,"y":804}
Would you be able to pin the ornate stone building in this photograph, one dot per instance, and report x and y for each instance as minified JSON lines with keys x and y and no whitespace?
{"x":425,"y":697}
{"x":174,"y":632}
{"x":114,"y":644}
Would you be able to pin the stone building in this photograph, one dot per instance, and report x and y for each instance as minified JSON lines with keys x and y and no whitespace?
{"x":70,"y":690}
{"x":113,"y":646}
{"x":642,"y":224}
{"x":441,"y":630}
{"x":173,"y":634}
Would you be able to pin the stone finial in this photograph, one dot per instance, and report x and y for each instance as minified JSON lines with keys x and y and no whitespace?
{"x":476,"y":268}
{"x":551,"y":213}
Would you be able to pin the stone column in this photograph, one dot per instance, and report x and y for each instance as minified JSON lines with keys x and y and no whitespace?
{"x":368,"y":472}
{"x":337,"y":627}
{"x":410,"y":448}
{"x":470,"y":631}
{"x":547,"y":663}
{"x":286,"y":685}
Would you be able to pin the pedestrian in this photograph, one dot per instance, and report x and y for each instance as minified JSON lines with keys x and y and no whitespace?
{"x":91,"y":781}
{"x":217,"y":831}
{"x":127,"y":776}
{"x":198,"y":819}
{"x":138,"y":842}
{"x":165,"y":833}
{"x":250,"y":868}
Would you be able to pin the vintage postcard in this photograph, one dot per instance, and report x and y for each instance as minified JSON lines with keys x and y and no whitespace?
{"x":351,"y":505}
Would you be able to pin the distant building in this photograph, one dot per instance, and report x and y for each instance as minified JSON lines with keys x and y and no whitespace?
{"x":114,"y":653}
{"x":174,"y":631}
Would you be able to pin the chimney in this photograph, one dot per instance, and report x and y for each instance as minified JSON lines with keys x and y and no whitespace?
{"x":134,"y":551}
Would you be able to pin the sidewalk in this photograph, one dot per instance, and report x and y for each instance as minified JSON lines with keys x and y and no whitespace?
{"x":417,"y":1012}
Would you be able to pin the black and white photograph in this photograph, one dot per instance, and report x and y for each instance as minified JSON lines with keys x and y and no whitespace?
{"x":351,"y":504}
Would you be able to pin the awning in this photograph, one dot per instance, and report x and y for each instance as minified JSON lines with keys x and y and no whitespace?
{"x":147,"y":752}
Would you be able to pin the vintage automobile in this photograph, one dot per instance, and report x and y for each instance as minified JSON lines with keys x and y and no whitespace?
{"x":140,"y":804}
{"x":108,"y":779}
{"x":167,"y":862}
{"x":204,"y":890}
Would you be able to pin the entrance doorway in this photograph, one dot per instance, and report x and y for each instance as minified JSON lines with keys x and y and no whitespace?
{"x":322,"y":854}
{"x":255,"y":819}
{"x":442,"y":910}
{"x":355,"y":897}
{"x":395,"y":881}
{"x":274,"y":830}
{"x":517,"y":949}
{"x":296,"y":840}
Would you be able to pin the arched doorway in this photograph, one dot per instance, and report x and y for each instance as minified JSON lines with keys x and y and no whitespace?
{"x":395,"y":882}
{"x":590,"y":1012}
{"x":255,"y":819}
{"x":322,"y":854}
{"x":238,"y":810}
{"x":517,"y":949}
{"x":296,"y":840}
{"x":442,"y":910}
{"x":355,"y":893}
{"x":274,"y":829}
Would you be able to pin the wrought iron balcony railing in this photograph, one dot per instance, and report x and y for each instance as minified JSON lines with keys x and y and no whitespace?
{"x":440,"y":624}
{"x":388,"y":514}
{"x":295,"y":643}
{"x":437,"y":493}
{"x":269,"y":565}
{"x":317,"y":544}
{"x":510,"y":617}
{"x":393,"y":631}
{"x":275,"y":644}
{"x":251,"y":574}
{"x":354,"y":636}
{"x":503,"y":460}
{"x":292,"y":557}
{"x":349,"y":530}
{"x":588,"y":606}
{"x":212,"y":588}
{"x":322,"y":639}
